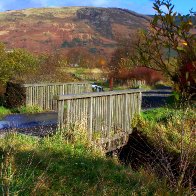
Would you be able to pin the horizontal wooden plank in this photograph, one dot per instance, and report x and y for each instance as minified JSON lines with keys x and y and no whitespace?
{"x":97,"y":94}
{"x":52,"y":84}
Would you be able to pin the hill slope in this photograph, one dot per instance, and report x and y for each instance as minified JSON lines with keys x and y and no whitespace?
{"x":49,"y":29}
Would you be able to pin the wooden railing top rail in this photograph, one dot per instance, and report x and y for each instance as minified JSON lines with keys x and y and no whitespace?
{"x":95,"y":94}
{"x":50,"y":84}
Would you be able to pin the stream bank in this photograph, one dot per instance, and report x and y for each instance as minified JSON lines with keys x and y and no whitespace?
{"x":139,"y":153}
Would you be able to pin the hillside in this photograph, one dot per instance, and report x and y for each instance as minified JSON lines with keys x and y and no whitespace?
{"x":49,"y":29}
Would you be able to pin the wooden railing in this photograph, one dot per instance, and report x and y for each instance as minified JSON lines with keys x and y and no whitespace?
{"x":42,"y":94}
{"x":105,"y":115}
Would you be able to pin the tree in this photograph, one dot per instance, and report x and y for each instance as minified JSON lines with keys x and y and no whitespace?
{"x":121,"y":64}
{"x":170,"y":47}
{"x":79,"y":56}
{"x":121,"y":56}
{"x":15,"y":63}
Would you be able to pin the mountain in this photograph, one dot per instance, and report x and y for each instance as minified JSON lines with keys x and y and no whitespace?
{"x":49,"y":29}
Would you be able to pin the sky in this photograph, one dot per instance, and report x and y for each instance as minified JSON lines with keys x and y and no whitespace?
{"x":140,"y":6}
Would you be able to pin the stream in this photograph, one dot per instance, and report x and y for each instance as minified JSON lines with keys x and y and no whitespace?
{"x":39,"y":124}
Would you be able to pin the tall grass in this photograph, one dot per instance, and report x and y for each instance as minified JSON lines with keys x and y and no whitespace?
{"x":171,"y":124}
{"x":171,"y":132}
{"x":55,"y":166}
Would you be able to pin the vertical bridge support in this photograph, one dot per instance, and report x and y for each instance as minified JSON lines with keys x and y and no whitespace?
{"x":107,"y":116}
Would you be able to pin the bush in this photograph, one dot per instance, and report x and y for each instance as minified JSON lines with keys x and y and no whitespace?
{"x":15,"y":95}
{"x":149,"y":75}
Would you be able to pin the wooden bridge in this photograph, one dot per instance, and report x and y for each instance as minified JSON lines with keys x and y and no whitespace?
{"x":42,"y":94}
{"x":107,"y":116}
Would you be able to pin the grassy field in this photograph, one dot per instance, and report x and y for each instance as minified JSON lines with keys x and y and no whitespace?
{"x":90,"y":74}
{"x":53,"y":166}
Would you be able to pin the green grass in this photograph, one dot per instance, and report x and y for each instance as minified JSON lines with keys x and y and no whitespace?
{"x":51,"y":166}
{"x":23,"y":109}
{"x":170,"y":127}
{"x":165,"y":114}
{"x":4,"y":111}
{"x":29,"y":109}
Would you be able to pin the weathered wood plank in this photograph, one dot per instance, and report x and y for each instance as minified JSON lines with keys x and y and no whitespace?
{"x":42,"y":94}
{"x":53,"y":84}
{"x":96,"y":94}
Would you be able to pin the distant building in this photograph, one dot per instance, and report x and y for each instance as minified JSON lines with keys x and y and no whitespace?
{"x":9,"y":50}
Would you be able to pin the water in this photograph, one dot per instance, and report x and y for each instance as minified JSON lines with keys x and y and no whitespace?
{"x":39,"y":124}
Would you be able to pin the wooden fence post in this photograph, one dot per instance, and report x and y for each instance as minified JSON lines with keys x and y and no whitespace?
{"x":109,"y":115}
{"x":90,"y":111}
{"x":60,"y":115}
{"x":125,"y":112}
{"x":68,"y":114}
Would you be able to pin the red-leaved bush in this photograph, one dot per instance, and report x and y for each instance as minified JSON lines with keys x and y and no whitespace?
{"x":139,"y":73}
{"x":149,"y":75}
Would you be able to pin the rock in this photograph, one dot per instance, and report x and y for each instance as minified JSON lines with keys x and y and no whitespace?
{"x":4,"y":125}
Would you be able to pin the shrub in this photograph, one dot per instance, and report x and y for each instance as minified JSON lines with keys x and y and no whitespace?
{"x":149,"y":75}
{"x":14,"y":95}
{"x":15,"y":64}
